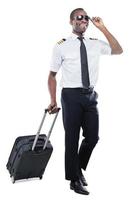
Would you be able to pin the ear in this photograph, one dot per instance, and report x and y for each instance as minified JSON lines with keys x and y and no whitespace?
{"x":71,"y":23}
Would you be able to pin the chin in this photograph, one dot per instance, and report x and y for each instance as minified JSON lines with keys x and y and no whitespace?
{"x":82,"y":32}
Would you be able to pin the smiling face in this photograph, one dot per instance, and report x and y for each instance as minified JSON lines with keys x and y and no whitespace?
{"x":79,"y":22}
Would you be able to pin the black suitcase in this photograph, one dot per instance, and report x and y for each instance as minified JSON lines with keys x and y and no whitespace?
{"x":30,"y":154}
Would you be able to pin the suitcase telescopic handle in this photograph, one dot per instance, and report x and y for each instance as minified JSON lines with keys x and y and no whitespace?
{"x":40,"y":127}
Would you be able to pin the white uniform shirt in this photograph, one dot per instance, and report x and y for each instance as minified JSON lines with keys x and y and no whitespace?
{"x":66,"y":55}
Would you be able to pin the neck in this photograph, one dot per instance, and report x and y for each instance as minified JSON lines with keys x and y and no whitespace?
{"x":77,"y":33}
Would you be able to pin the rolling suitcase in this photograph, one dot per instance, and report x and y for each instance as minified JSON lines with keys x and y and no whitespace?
{"x":30,"y":154}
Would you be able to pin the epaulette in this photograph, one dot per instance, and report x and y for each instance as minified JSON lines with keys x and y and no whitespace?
{"x":61,"y":41}
{"x":93,"y":38}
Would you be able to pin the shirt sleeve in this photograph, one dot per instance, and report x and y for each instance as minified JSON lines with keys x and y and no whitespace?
{"x":56,"y":59}
{"x":105,"y":48}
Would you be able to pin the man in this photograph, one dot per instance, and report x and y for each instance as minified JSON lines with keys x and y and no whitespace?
{"x":78,"y":57}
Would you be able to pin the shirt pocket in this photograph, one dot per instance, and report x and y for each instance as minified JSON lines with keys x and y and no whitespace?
{"x":92,"y":51}
{"x":71,"y":56}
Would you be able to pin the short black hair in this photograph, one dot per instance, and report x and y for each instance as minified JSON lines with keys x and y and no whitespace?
{"x":74,"y":11}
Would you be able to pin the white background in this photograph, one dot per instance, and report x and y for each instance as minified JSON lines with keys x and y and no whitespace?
{"x":28,"y":31}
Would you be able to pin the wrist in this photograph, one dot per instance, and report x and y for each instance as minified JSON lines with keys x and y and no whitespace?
{"x":53,"y":101}
{"x":103,"y":29}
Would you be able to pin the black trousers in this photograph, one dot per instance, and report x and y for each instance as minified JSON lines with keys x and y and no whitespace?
{"x":79,"y":109}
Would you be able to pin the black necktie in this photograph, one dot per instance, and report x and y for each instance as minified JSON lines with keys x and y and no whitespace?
{"x":84,"y":64}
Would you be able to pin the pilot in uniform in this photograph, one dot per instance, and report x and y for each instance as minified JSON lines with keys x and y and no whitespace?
{"x":78,"y":58}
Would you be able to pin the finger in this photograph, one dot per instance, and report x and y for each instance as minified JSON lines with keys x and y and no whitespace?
{"x":97,"y":19}
{"x":50,"y":107}
{"x":53,"y":110}
{"x":94,"y":19}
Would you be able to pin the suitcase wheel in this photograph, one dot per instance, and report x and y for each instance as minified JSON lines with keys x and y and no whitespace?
{"x":40,"y":177}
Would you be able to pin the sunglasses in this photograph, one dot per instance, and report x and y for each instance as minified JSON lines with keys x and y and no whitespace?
{"x":81,"y":17}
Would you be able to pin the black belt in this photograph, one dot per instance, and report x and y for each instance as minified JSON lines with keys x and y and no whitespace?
{"x":82,"y":90}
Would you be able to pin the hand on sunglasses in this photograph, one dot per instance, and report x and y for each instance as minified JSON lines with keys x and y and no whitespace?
{"x":97,"y":21}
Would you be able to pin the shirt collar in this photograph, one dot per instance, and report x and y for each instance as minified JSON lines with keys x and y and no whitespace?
{"x":74,"y":36}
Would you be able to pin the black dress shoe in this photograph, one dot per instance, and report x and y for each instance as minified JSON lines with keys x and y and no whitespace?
{"x":82,"y":178}
{"x":78,"y":187}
